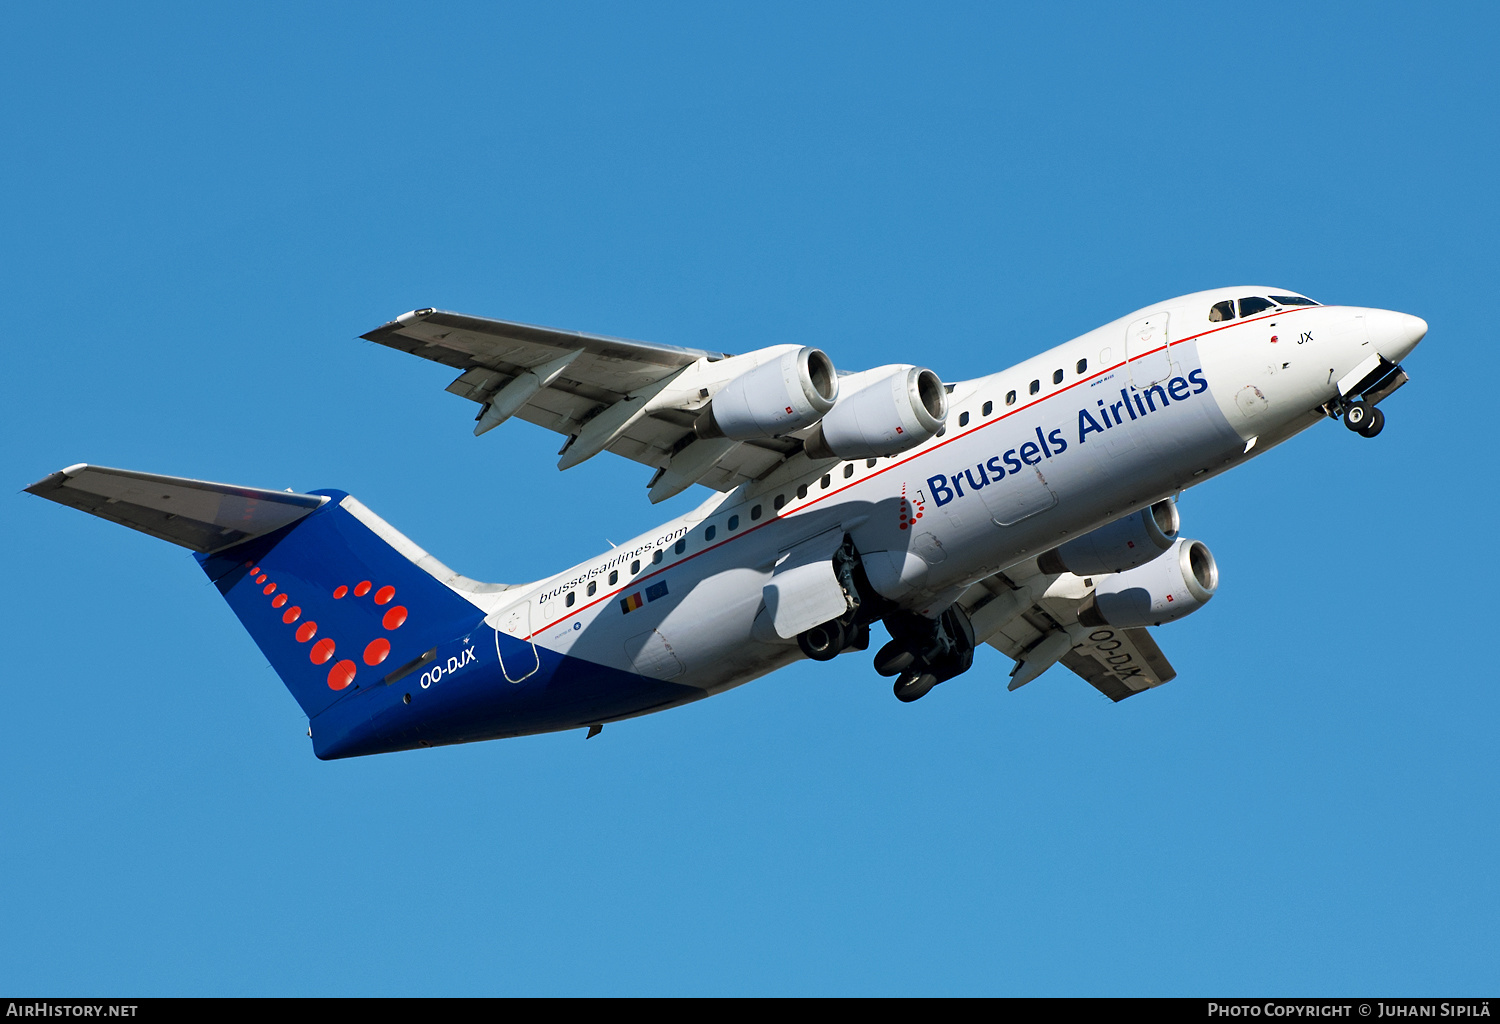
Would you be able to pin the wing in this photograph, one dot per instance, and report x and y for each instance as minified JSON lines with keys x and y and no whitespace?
{"x":1032,"y":616}
{"x":632,"y":398}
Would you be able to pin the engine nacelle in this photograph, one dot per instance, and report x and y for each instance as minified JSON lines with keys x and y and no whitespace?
{"x":1119,"y":546}
{"x":883,"y":411}
{"x":1175,"y":584}
{"x":790,"y":391}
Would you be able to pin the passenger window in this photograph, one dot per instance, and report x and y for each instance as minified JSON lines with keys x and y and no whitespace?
{"x":1254,"y":304}
{"x":848,"y":471}
{"x":963,"y":419}
{"x":734,"y":522}
{"x":614,"y":576}
{"x":635,"y":567}
{"x":708,"y":534}
{"x":572,"y":596}
{"x":593,"y":586}
{"x":1036,"y":386}
{"x":1222,"y":311}
{"x":680,"y":546}
{"x":802,"y":491}
{"x":1010,"y":398}
{"x":780,"y":501}
{"x":656,"y":557}
{"x":870,"y":463}
{"x":1057,"y":376}
{"x":754,"y":512}
{"x":1083,"y":366}
{"x":826,"y":481}
{"x":989,"y":407}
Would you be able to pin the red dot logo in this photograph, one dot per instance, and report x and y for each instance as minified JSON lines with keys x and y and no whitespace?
{"x":278,"y":600}
{"x":341,"y":675}
{"x":384,"y":595}
{"x":340,"y":592}
{"x":321,"y":651}
{"x":377,"y":650}
{"x":306,"y":631}
{"x":394,"y":617}
{"x":361,"y":589}
{"x":270,"y":589}
{"x":292,"y":614}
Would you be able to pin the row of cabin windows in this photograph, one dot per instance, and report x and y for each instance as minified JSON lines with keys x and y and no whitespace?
{"x":614,"y":574}
{"x":1036,"y":386}
{"x":711,"y":531}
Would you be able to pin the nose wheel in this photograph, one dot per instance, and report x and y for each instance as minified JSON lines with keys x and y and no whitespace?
{"x":1364,"y":419}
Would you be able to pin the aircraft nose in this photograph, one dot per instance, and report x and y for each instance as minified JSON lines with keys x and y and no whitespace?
{"x":1395,"y":334}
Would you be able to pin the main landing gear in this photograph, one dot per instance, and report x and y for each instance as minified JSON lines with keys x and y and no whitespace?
{"x":850,"y":631}
{"x":922,"y":653}
{"x":1364,"y":419}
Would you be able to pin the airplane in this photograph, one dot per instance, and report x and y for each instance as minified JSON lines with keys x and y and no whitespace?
{"x":1032,"y":510}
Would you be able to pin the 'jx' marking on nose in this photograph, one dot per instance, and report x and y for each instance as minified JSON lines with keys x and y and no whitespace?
{"x":1306,"y":337}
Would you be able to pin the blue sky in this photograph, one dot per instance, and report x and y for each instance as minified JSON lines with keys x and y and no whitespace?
{"x":205,"y":206}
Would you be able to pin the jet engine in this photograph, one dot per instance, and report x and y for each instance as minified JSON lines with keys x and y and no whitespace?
{"x":785,"y":394}
{"x":1123,"y":544}
{"x":1174,"y":584}
{"x":883,"y":411}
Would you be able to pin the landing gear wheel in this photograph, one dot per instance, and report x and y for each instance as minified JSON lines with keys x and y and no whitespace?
{"x":914,"y":686}
{"x":893,"y":659}
{"x":823,"y":643}
{"x":1373,"y":425}
{"x":1359,"y":415}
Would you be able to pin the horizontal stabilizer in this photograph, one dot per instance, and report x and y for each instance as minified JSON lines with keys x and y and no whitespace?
{"x":196,"y":514}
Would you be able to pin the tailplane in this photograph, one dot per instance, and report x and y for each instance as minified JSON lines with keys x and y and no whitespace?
{"x":335,"y":597}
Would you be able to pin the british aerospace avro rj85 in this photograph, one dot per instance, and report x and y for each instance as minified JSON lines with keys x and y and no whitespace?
{"x":1032,"y":509}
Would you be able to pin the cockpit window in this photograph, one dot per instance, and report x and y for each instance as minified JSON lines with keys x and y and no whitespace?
{"x":1294,"y":300}
{"x":1221,"y":311}
{"x":1254,"y":304}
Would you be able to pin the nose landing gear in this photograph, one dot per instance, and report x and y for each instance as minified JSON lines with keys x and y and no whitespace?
{"x":1360,"y":414}
{"x":1364,"y":419}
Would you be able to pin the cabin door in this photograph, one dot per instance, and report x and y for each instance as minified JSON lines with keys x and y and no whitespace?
{"x":518,"y":661}
{"x":1146,"y":348}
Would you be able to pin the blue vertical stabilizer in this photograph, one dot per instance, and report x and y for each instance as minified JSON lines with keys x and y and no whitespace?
{"x":335,"y":607}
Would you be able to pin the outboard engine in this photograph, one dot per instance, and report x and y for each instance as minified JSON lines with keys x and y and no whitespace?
{"x":1172,"y":586}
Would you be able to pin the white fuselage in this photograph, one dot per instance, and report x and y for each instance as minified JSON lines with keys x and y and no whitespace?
{"x":1046,"y":450}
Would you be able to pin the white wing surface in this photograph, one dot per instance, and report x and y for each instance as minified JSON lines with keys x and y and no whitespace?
{"x":632,"y":398}
{"x":1032,"y":617}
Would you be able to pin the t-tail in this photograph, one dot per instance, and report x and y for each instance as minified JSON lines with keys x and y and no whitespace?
{"x":340,"y":603}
